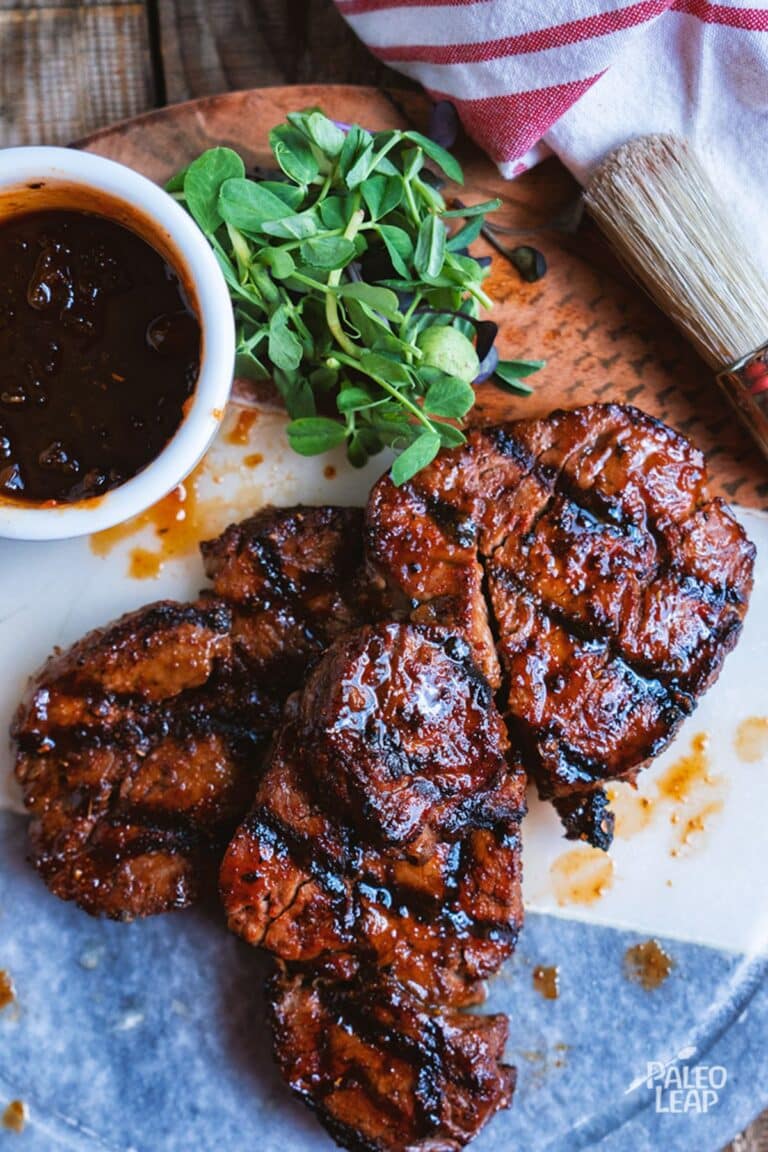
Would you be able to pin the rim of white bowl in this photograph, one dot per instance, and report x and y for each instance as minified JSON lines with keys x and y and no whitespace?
{"x":199,"y":268}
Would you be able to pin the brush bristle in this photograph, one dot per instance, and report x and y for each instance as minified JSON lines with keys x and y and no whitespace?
{"x":661,"y":212}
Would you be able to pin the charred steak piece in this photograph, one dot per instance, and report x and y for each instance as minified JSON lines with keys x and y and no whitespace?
{"x":406,"y":859}
{"x":139,"y":748}
{"x":134,"y":755}
{"x":292,"y":577}
{"x":403,"y":732}
{"x":383,"y":1072}
{"x":615,"y":585}
{"x":421,"y":548}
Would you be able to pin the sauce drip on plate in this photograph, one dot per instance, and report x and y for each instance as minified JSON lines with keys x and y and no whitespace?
{"x":687,"y":791}
{"x":682,"y":777}
{"x":15,"y":1116}
{"x":240,"y":432}
{"x":648,"y":964}
{"x":581,"y":876}
{"x":546,"y":980}
{"x":99,"y":351}
{"x":7,"y":994}
{"x":751,"y":739}
{"x":176,"y":523}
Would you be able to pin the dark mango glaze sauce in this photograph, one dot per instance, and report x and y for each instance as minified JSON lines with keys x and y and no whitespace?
{"x":99,"y":350}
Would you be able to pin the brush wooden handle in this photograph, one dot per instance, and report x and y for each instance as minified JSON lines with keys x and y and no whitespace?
{"x":745,"y":384}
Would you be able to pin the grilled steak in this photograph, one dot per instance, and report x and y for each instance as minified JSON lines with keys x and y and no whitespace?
{"x":576,"y":567}
{"x":133,"y":753}
{"x":403,"y":732}
{"x":140,"y":747}
{"x":614,"y":582}
{"x":385,"y":832}
{"x":292,"y":577}
{"x":383,"y":1072}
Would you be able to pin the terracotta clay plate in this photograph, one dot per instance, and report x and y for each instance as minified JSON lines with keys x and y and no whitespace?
{"x":636,"y":990}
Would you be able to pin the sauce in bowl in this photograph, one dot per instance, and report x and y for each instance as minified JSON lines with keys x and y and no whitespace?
{"x":99,"y":353}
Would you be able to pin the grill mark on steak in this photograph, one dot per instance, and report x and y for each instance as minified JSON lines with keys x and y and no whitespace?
{"x":265,"y":826}
{"x":435,"y":909}
{"x":696,"y":590}
{"x":134,"y":722}
{"x":602,"y":555}
{"x":128,"y":798}
{"x":145,"y":739}
{"x":324,"y":875}
{"x":681,"y":703}
{"x":383,"y":1071}
{"x":425,"y":1050}
{"x":458,"y":528}
{"x":386,"y":881}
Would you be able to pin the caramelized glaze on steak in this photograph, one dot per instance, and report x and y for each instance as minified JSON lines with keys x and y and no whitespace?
{"x":292,"y":577}
{"x":575,"y":566}
{"x":402,"y":732}
{"x":385,"y":1073}
{"x":385,"y":832}
{"x":586,"y":550}
{"x":133,"y":753}
{"x":140,"y":747}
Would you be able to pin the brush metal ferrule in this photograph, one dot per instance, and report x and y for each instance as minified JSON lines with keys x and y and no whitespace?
{"x":745,"y":383}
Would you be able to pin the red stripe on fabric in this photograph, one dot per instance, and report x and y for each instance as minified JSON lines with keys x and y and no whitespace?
{"x":749,"y":19}
{"x":507,"y":126}
{"x":557,"y":36}
{"x":360,"y":7}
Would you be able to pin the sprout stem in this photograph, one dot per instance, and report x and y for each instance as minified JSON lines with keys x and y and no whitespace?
{"x":331,"y":303}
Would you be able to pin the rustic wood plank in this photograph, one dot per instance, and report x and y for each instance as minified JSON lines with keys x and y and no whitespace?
{"x":29,"y":5}
{"x":754,"y":1138}
{"x":211,"y":46}
{"x":67,"y":69}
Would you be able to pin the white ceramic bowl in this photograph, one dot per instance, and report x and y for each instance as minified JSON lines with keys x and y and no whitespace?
{"x":38,"y":178}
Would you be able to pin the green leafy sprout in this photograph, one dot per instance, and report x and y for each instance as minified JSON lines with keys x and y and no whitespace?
{"x":349,"y":291}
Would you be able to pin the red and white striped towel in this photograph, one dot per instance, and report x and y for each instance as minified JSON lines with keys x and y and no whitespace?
{"x":579,"y":77}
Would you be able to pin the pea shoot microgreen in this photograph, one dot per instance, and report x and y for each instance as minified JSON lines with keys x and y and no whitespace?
{"x":349,"y":289}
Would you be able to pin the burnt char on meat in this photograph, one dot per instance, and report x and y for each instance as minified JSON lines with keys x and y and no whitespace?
{"x":292,"y":577}
{"x":139,"y":748}
{"x":616,"y":585}
{"x":385,"y":832}
{"x":384,"y":1072}
{"x":133,"y":755}
{"x":403,"y":732}
{"x":575,"y":566}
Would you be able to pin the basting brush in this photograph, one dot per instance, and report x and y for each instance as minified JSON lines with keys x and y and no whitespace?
{"x":662,"y":214}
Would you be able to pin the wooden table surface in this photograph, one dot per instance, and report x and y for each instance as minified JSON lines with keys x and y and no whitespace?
{"x":70,"y":67}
